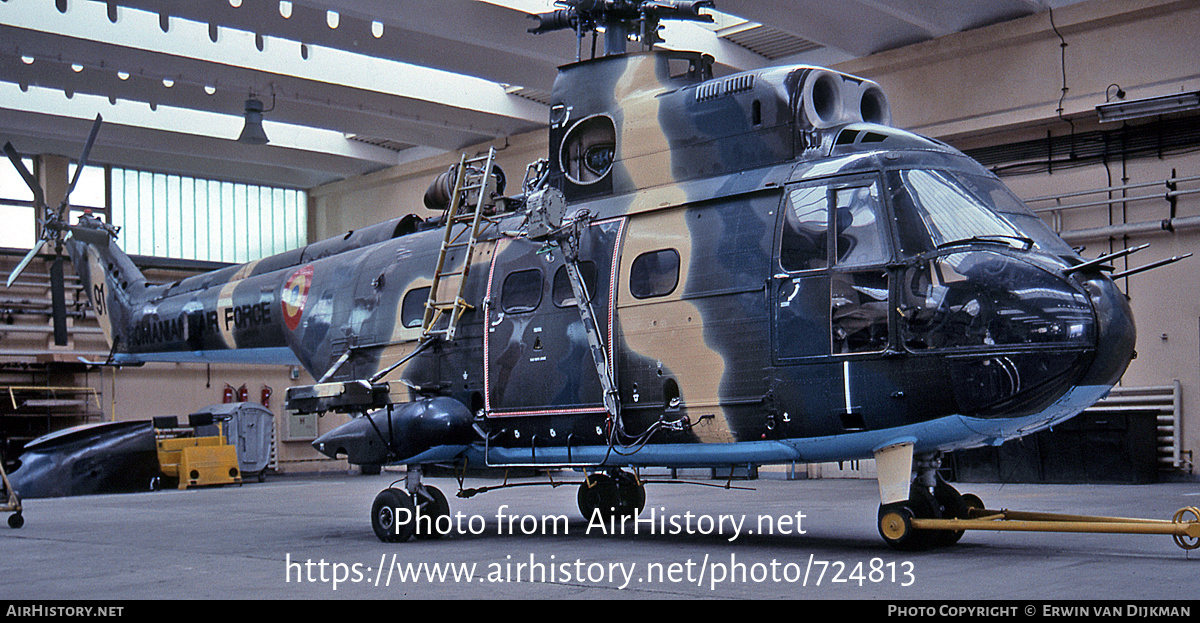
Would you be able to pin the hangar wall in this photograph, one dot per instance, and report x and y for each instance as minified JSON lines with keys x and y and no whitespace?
{"x":980,"y":89}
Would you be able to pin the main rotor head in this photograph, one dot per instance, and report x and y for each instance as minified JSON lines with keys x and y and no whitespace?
{"x":620,"y":20}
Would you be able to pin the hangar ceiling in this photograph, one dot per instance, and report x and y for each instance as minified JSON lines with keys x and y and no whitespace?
{"x":353,"y":86}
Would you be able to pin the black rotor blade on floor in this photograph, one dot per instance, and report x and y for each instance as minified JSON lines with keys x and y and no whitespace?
{"x":58,"y":297}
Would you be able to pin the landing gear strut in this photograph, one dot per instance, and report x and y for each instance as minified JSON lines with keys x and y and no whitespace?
{"x":397,"y":515}
{"x":616,"y":494}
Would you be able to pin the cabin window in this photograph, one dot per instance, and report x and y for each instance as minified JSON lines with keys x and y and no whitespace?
{"x":655,"y":273}
{"x":522,"y":291}
{"x":805,"y":227}
{"x":562,"y":294}
{"x":412,"y":310}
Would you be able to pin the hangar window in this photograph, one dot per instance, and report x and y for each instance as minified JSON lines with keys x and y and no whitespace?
{"x":16,"y":201}
{"x":654,"y":274}
{"x":562,"y":294}
{"x":16,"y":208}
{"x":412,"y":310}
{"x":183,"y":217}
{"x":522,"y":291}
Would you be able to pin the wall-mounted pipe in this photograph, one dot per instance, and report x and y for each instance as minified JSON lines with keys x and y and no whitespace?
{"x":1131,"y":229}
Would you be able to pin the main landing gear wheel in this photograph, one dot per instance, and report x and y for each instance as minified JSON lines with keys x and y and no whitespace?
{"x":387,"y":510}
{"x":431,"y":504}
{"x":15,"y":521}
{"x":618,"y":495}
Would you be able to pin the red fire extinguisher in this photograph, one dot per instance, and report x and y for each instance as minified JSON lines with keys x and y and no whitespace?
{"x":266,"y":396}
{"x":243,"y":394}
{"x":228,"y":397}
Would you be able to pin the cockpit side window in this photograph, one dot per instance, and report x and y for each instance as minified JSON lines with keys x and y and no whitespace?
{"x":848,"y":213}
{"x":835,"y":233}
{"x":805,"y":229}
{"x":859,"y":228}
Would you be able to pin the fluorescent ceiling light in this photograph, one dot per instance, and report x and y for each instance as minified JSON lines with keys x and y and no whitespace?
{"x":1148,"y":107}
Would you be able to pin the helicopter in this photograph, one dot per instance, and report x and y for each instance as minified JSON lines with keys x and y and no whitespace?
{"x":704,"y":271}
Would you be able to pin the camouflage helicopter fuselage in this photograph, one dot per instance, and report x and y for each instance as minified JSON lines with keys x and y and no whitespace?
{"x":777,"y":275}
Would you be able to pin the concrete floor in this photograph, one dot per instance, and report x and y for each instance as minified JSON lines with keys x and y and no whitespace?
{"x":306,"y":537}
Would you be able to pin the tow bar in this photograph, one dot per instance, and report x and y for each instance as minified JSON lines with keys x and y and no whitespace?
{"x":1184,"y":529}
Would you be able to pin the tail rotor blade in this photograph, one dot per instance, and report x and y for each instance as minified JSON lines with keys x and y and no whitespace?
{"x":25,"y":262}
{"x":58,"y":298}
{"x":30,"y":180}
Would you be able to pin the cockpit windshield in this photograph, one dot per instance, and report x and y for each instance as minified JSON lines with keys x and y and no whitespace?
{"x":949,"y":213}
{"x":940,"y":208}
{"x":990,"y":190}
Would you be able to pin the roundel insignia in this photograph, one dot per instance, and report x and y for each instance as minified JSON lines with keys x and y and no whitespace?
{"x":295,"y":293}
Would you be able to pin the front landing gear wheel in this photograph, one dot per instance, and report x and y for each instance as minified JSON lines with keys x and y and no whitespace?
{"x":895,"y":526}
{"x":15,"y":521}
{"x":895,"y":520}
{"x":389,"y":519}
{"x":431,"y":505}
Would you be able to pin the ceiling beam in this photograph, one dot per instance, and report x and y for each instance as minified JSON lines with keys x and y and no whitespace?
{"x":864,"y":27}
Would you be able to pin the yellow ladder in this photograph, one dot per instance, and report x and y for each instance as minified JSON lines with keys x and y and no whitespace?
{"x":473,"y":184}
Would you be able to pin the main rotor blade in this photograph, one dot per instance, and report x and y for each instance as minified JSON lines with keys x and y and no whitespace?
{"x":58,"y":298}
{"x":25,"y":262}
{"x":83,"y":158}
{"x":30,"y":180}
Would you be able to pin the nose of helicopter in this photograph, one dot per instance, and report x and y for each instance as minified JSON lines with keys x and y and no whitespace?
{"x":1020,"y":332}
{"x":1116,"y":335}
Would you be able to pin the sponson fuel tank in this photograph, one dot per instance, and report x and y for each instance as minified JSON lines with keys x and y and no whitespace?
{"x":400,"y":432}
